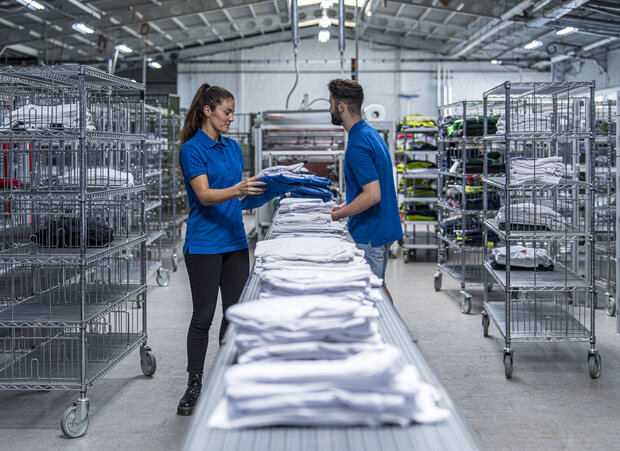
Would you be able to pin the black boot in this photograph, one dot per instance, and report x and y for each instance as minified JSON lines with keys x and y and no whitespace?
{"x":189,"y":399}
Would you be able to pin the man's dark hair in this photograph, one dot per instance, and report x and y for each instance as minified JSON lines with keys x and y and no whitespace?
{"x":349,"y":91}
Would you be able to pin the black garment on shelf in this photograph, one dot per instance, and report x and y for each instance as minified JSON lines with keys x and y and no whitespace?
{"x":499,"y":267}
{"x":65,"y":232}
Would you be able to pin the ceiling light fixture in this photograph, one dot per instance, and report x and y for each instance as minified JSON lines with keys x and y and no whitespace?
{"x":533,"y":45}
{"x":325,"y":21}
{"x":154,"y":65}
{"x":84,"y":29}
{"x":496,"y":61}
{"x":565,"y":31}
{"x":31,"y":4}
{"x":123,"y":48}
{"x":324,"y":36}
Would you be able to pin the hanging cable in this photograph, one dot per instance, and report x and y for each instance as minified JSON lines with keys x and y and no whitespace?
{"x":288,"y":98}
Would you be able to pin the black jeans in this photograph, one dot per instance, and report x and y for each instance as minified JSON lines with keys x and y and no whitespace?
{"x":208,"y":274}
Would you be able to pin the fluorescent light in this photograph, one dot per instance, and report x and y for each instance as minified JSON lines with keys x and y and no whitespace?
{"x":496,"y":61}
{"x":154,"y":65}
{"x":323,"y":36}
{"x":565,"y":31}
{"x":358,"y":3}
{"x":533,"y":45}
{"x":326,"y":4}
{"x":31,"y":4}
{"x":123,"y":48}
{"x":84,"y":29}
{"x":324,"y":21}
{"x":334,"y":22}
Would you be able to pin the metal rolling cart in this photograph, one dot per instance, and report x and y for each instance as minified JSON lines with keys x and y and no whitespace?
{"x":550,"y":301}
{"x":73,"y":218}
{"x":174,"y":198}
{"x":450,"y":434}
{"x":416,"y":183}
{"x":308,"y":136}
{"x":460,"y":207}
{"x":604,"y":209}
{"x":156,"y":144}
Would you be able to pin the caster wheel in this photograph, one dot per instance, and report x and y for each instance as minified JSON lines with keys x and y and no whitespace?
{"x":437,"y":281}
{"x":485,"y":324}
{"x":610,"y":309}
{"x":70,"y":427}
{"x":465,"y":302}
{"x":508,"y":365}
{"x":148,"y":363}
{"x":175,"y":263}
{"x":594,"y":365}
{"x":163,"y":277}
{"x":406,"y":257}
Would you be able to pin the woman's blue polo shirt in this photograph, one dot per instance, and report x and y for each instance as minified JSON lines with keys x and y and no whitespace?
{"x":213,"y":229}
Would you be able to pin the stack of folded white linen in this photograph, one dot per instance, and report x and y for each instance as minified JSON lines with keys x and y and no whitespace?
{"x":531,"y":216}
{"x":372,"y":387}
{"x":526,"y":123}
{"x":99,"y":176}
{"x":305,"y":249}
{"x":307,"y":318}
{"x":306,"y":207}
{"x":307,"y":222}
{"x":536,"y":170}
{"x":282,"y":169}
{"x":32,"y":117}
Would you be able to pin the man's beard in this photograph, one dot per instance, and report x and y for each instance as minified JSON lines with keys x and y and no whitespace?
{"x":336,"y":118}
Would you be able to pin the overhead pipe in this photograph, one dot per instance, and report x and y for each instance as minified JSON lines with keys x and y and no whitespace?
{"x":341,"y":36}
{"x":295,"y":40}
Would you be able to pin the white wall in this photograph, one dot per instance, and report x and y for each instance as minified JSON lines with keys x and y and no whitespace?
{"x":261,"y":78}
{"x":607,"y":81}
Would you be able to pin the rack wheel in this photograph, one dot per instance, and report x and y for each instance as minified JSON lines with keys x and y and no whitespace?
{"x":148,"y":363}
{"x":594,"y":365}
{"x":610,"y":309}
{"x":508,"y":362}
{"x":485,"y":324}
{"x":163,"y":277}
{"x":437,"y":281}
{"x":406,"y":257}
{"x":175,"y":262}
{"x":465,"y":302}
{"x":70,"y":427}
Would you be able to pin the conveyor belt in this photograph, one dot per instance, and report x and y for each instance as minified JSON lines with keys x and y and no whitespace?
{"x":452,"y":434}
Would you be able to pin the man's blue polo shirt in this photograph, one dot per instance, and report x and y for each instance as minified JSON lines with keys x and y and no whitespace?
{"x":213,"y":229}
{"x":367,"y":159}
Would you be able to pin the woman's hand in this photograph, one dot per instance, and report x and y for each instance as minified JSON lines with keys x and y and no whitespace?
{"x":250,"y":187}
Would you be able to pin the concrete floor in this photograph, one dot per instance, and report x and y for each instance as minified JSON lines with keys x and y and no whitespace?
{"x":550,"y":403}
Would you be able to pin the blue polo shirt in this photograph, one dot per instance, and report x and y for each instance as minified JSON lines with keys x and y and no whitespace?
{"x":367,"y":159}
{"x":213,"y":229}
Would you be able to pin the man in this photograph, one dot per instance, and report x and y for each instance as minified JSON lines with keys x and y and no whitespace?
{"x":371,"y":204}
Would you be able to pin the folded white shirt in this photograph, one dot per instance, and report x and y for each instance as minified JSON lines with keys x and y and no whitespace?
{"x":536,"y":170}
{"x":307,"y":350}
{"x":33,"y":117}
{"x":99,"y":176}
{"x":372,"y":387}
{"x":282,"y":169}
{"x":296,"y":281}
{"x":306,"y":249}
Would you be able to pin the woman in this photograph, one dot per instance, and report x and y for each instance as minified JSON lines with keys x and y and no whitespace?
{"x":216,"y":246}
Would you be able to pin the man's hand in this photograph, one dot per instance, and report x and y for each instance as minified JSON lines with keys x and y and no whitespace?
{"x":334,"y":212}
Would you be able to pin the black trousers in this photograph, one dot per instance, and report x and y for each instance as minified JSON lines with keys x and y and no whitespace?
{"x":208,"y":274}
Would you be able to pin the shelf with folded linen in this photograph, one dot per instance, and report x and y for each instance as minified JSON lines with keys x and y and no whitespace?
{"x":500,"y":182}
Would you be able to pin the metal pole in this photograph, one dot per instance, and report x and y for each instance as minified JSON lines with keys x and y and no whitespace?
{"x":355,"y":76}
{"x":341,"y":36}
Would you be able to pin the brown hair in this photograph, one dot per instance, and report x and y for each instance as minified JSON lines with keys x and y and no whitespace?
{"x":349,"y":91}
{"x":206,"y":95}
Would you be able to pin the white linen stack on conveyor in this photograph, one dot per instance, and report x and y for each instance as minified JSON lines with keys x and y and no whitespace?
{"x":536,"y":170}
{"x":310,"y":351}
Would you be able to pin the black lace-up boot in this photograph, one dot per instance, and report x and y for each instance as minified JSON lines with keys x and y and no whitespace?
{"x":189,"y":399}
